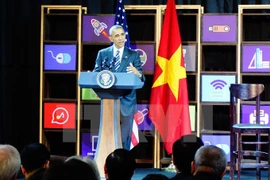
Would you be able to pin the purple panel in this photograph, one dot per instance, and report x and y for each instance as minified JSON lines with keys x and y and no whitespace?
{"x":219,"y":28}
{"x":255,"y":58}
{"x":142,"y":119}
{"x":59,"y":57}
{"x":96,"y":28}
{"x":147,"y":55}
{"x":221,"y":141}
{"x":248,"y":114}
{"x":89,"y":144}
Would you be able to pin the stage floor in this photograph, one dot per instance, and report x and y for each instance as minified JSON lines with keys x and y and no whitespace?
{"x":245,"y":175}
{"x":142,"y":172}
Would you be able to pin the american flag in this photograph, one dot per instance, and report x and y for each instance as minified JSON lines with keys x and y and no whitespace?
{"x":121,"y":19}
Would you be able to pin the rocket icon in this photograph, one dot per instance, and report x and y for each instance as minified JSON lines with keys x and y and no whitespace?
{"x":99,"y":28}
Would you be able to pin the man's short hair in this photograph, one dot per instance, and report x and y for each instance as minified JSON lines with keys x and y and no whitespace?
{"x":120,"y":164}
{"x":115,"y":27}
{"x":10,"y":161}
{"x":184,"y":150}
{"x":212,"y":157}
{"x":34,"y":156}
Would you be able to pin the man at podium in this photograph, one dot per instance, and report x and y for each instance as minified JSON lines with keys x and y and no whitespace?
{"x":119,"y":58}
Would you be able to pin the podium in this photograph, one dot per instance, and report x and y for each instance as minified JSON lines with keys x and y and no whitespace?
{"x":109,"y":127}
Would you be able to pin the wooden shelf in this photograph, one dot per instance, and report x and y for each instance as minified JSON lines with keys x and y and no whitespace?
{"x":58,"y":100}
{"x":60,"y":72}
{"x":59,"y":42}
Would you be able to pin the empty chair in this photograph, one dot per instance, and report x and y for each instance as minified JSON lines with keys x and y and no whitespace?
{"x":247,"y":92}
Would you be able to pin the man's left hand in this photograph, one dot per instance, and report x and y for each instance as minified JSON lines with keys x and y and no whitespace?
{"x":132,"y":69}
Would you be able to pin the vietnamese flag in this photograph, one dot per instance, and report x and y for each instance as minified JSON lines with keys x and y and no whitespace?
{"x":169,"y":105}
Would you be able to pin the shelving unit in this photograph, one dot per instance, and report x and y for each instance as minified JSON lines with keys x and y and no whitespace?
{"x":219,"y":54}
{"x":206,"y":58}
{"x":60,"y":64}
{"x":253,"y":48}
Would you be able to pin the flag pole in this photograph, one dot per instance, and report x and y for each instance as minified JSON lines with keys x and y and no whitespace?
{"x":159,"y":12}
{"x":156,"y":149}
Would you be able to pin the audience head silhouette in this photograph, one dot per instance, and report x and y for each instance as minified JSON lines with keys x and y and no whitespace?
{"x":82,"y":168}
{"x":10,"y":162}
{"x":57,"y":171}
{"x":155,"y":177}
{"x":34,"y":156}
{"x":184,"y":150}
{"x":210,"y":159}
{"x":75,"y":167}
{"x":120,"y":164}
{"x":38,"y":174}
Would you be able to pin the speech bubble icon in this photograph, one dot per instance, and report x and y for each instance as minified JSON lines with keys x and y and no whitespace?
{"x":60,"y":116}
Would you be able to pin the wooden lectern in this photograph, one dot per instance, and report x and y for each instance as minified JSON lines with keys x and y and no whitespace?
{"x":109,"y":128}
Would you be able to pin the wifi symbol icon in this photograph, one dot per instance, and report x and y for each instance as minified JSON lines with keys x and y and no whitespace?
{"x":218,"y":84}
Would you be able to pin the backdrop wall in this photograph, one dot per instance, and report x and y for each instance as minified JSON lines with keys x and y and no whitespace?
{"x":19,"y":62}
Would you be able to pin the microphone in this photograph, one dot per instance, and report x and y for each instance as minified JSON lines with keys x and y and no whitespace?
{"x":106,"y":64}
{"x":103,"y":64}
{"x":112,"y":62}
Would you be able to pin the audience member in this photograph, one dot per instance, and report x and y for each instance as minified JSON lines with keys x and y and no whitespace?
{"x":83,"y":167}
{"x":120,"y":164}
{"x":57,"y":159}
{"x":57,"y":171}
{"x":209,"y":163}
{"x":34,"y":156}
{"x":75,"y":167}
{"x":10,"y":162}
{"x":155,"y":177}
{"x":184,"y":150}
{"x":38,"y":174}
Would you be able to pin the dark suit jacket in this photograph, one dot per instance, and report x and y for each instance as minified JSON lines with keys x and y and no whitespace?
{"x":204,"y":176}
{"x":181,"y":176}
{"x":127,"y":102}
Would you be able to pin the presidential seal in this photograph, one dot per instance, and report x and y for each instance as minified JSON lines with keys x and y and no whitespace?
{"x":105,"y":79}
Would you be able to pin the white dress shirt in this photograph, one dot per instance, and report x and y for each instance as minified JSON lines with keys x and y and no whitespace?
{"x":121,"y":50}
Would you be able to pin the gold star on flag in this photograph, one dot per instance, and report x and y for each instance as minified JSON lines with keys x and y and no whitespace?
{"x":172,"y":71}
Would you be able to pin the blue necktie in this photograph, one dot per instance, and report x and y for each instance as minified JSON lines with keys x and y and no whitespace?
{"x":117,"y":60}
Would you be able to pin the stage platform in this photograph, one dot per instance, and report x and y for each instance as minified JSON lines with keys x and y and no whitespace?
{"x":246,"y":174}
{"x":142,"y":172}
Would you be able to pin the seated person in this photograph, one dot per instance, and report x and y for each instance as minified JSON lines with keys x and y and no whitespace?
{"x":184,"y":150}
{"x":57,"y":171}
{"x":34,"y":156}
{"x":209,"y":163}
{"x":75,"y":167}
{"x":10,"y":162}
{"x":79,"y":169}
{"x":120,"y":164}
{"x":155,"y":177}
{"x":38,"y":174}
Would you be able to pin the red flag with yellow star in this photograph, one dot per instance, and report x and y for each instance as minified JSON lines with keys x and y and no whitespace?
{"x":169,"y":105}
